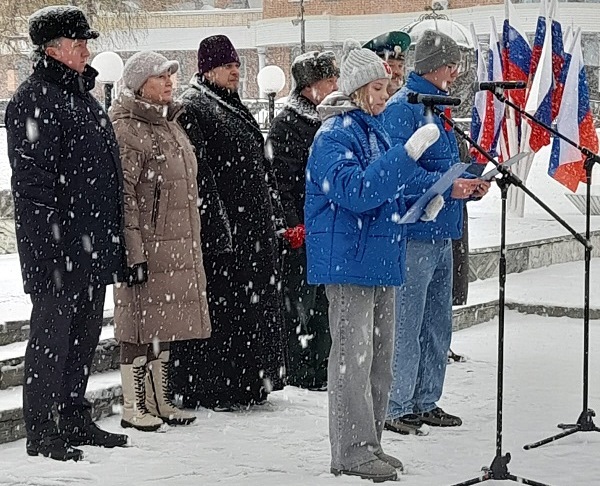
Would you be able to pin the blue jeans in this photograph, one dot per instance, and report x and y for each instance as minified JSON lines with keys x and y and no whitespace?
{"x":423,"y":328}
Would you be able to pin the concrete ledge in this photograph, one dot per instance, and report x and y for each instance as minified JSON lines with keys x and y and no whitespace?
{"x":484,"y":262}
{"x":17,"y":331}
{"x":471,"y":315}
{"x":106,"y":358}
{"x":552,"y":311}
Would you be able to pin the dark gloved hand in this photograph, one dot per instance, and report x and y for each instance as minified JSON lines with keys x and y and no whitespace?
{"x":137,"y":275}
{"x":295,"y":236}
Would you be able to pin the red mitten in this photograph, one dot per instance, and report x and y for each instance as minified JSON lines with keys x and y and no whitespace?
{"x":295,"y":236}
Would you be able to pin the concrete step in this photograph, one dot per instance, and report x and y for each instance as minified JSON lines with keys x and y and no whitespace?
{"x":520,"y":257}
{"x":12,"y":358}
{"x":18,"y":331}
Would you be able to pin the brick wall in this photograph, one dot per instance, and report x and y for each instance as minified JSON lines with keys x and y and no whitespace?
{"x":287,"y":8}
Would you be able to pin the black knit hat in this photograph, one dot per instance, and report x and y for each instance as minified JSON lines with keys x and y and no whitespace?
{"x":314,"y":66}
{"x":51,"y":23}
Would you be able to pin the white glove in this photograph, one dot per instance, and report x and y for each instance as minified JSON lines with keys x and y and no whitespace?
{"x":433,"y":208}
{"x":421,"y":140}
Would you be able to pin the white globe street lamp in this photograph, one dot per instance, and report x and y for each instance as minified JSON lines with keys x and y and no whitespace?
{"x":110,"y":69}
{"x":271,"y":80}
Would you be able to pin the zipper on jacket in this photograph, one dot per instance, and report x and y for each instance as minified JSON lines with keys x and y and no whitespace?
{"x":156,"y":201}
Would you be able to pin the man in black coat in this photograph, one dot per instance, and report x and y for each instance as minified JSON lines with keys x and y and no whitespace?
{"x":244,"y":359}
{"x":292,"y":132}
{"x":68,"y":214}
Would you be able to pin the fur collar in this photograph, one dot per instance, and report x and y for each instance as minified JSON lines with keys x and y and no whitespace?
{"x":233,"y":104}
{"x":302,"y":106}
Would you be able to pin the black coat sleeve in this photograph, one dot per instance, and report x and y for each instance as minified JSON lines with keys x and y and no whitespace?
{"x":215,"y":227}
{"x":283,"y":148}
{"x":34,"y":148}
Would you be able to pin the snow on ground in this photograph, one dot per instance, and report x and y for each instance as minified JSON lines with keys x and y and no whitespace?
{"x":285,"y":442}
{"x":557,"y":285}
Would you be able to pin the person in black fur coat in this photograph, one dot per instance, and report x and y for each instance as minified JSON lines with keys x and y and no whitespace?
{"x":244,"y":359}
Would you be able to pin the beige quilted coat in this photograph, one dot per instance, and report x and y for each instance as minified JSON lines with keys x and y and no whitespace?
{"x":162,"y":226}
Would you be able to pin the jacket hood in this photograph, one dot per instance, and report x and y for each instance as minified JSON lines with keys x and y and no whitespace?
{"x":337,"y":103}
{"x":128,"y":105}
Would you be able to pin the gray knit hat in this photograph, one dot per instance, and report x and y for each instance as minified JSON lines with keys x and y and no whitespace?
{"x":434,"y":50}
{"x":144,"y":64}
{"x":360,"y":67}
{"x":310,"y":67}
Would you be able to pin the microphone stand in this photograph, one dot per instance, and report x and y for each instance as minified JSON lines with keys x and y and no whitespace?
{"x":585,"y":422}
{"x":498,"y":470}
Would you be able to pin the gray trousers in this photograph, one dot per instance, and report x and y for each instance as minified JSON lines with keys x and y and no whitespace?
{"x":361,"y":320}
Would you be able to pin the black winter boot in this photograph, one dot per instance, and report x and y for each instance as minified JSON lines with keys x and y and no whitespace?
{"x":79,"y":429}
{"x":54,"y":447}
{"x":438,"y":418}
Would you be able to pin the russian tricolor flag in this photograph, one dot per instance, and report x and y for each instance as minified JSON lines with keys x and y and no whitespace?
{"x":574,"y":120}
{"x":516,"y":61}
{"x":539,"y":96}
{"x":558,"y":59}
{"x":488,"y":112}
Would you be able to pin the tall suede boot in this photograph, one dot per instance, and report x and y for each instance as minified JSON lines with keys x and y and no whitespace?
{"x":158,"y":400}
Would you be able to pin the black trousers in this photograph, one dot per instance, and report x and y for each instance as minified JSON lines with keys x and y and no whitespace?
{"x":64,"y":332}
{"x":460,"y":263}
{"x":306,"y":314}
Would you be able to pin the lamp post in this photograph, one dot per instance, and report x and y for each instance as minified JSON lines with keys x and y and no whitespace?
{"x":271,"y":80}
{"x":110,"y":69}
{"x":300,"y":21}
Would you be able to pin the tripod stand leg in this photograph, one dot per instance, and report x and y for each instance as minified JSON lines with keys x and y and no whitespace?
{"x":517,"y":479}
{"x":480,"y":479}
{"x":566,"y":433}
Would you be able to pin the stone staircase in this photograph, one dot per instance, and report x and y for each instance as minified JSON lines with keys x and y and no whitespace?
{"x":104,"y":396}
{"x":104,"y":390}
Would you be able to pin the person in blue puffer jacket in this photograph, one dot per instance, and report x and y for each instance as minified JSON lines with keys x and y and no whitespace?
{"x":355,"y":246}
{"x":424,"y":303}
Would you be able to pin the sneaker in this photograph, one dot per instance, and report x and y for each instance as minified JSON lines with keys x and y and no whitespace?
{"x":54,"y":447}
{"x":438,"y":418}
{"x":392,"y":461}
{"x":410,"y":424}
{"x":376,"y":470}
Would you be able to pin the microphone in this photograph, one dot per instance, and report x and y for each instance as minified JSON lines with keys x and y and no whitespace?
{"x":492,"y":85}
{"x":430,"y":100}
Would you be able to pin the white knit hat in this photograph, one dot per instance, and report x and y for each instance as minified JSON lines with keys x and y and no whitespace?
{"x":360,"y":67}
{"x":144,"y":64}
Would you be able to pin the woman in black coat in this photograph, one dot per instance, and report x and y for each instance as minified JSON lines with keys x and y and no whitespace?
{"x":244,"y":358}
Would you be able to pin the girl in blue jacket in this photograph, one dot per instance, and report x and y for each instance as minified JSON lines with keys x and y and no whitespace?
{"x":355,"y":246}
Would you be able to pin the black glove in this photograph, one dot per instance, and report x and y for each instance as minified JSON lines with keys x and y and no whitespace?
{"x":137,"y":275}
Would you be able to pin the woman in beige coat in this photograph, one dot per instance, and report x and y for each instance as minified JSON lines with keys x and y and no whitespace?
{"x":164,"y":299}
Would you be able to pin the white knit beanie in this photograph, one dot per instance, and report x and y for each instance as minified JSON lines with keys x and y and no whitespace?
{"x":360,"y":67}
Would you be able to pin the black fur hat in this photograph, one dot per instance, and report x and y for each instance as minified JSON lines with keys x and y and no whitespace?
{"x":314,"y":66}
